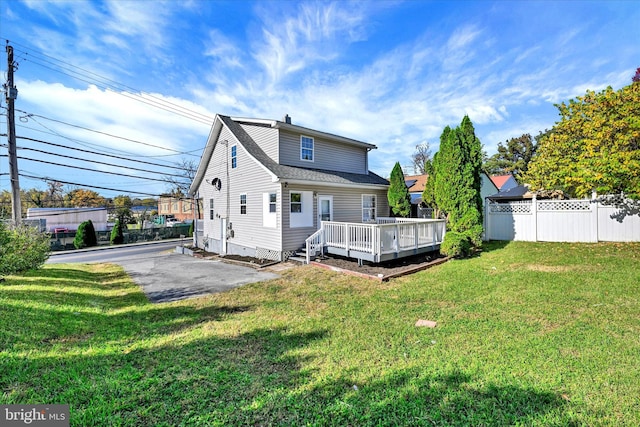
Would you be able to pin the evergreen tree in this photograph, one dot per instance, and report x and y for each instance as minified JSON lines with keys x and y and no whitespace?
{"x":85,"y":236}
{"x":454,"y":187}
{"x":117,"y":236}
{"x":398,"y":193}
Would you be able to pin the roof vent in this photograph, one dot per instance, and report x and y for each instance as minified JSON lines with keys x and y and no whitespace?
{"x":286,"y":119}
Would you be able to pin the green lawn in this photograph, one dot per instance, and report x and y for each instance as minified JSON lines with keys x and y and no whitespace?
{"x":528,"y":334}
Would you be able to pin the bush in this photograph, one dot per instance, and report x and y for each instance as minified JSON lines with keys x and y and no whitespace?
{"x":191,"y":229}
{"x":116,"y":234}
{"x":85,"y":236}
{"x":22,"y":248}
{"x":455,"y":244}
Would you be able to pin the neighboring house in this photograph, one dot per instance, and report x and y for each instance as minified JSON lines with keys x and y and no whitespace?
{"x":504,"y":182}
{"x":176,"y":207}
{"x":62,"y":219}
{"x":266,"y":185}
{"x":415,"y":184}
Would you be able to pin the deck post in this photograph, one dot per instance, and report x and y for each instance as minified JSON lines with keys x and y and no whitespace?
{"x":415,"y":235}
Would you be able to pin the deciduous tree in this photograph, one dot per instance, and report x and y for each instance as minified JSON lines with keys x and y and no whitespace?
{"x":594,"y":146}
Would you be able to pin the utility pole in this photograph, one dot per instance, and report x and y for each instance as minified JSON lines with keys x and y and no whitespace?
{"x":11,"y":94}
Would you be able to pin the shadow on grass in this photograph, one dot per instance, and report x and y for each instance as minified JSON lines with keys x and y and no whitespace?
{"x":494,"y":245}
{"x":144,"y":366}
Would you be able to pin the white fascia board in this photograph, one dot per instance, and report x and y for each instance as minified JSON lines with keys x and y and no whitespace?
{"x":212,"y":141}
{"x":271,"y":123}
{"x":333,"y":184}
{"x":325,"y":135}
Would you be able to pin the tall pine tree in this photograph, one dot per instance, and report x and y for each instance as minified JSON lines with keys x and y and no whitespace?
{"x":398,"y":193}
{"x":455,"y":187}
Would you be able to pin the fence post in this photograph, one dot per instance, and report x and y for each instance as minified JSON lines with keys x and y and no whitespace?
{"x":594,"y":217}
{"x":534,"y":213}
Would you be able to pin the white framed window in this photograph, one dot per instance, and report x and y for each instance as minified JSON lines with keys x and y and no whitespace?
{"x":368,"y":207}
{"x":273,"y":197}
{"x":234,"y":156}
{"x":243,"y":204}
{"x":296,"y":202}
{"x":269,"y":208}
{"x":306,"y":148}
{"x":212,"y":214}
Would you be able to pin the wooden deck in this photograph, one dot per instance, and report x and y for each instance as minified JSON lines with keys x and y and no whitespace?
{"x":388,"y":238}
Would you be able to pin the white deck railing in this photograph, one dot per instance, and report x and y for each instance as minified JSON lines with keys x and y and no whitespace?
{"x":387,"y":235}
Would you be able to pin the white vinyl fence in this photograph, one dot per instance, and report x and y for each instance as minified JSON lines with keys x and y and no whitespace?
{"x":561,"y":221}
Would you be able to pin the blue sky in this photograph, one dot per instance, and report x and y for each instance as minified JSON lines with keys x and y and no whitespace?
{"x":390,"y":73}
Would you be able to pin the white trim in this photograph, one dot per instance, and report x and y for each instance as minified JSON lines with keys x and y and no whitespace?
{"x":313,"y":149}
{"x":320,"y":199}
{"x":269,"y":219}
{"x":246,"y":202}
{"x":304,"y":218}
{"x":375,"y":206}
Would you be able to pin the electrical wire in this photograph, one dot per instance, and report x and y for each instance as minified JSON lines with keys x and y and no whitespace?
{"x":93,"y":152}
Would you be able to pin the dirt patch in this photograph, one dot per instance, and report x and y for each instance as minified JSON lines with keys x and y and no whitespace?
{"x":384,"y":270}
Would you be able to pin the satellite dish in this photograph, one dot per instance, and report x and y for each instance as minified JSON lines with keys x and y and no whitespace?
{"x":217,"y":184}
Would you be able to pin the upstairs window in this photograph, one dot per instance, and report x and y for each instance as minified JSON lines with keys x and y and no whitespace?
{"x":243,"y":204}
{"x":234,"y":157}
{"x":306,"y":148}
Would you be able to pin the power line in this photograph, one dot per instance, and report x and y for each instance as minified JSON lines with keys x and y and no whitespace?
{"x":95,"y":161}
{"x":106,"y":83}
{"x":30,"y":115}
{"x":46,"y":179}
{"x":93,"y":170}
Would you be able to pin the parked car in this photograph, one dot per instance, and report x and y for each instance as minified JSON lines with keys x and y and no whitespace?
{"x":172,"y":222}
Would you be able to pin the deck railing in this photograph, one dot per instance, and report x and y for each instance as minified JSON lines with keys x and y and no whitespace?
{"x":386,"y":236}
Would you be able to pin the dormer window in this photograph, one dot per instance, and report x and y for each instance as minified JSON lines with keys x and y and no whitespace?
{"x":306,"y":148}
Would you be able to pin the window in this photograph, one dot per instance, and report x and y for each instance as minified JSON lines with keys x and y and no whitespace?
{"x":174,"y":207}
{"x":234,"y":157}
{"x":296,"y":202}
{"x":243,"y":204}
{"x":306,"y":148}
{"x":272,"y":202}
{"x":368,"y":207}
{"x":211,"y":211}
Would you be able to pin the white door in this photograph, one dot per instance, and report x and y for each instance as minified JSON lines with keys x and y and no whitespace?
{"x":325,"y":209}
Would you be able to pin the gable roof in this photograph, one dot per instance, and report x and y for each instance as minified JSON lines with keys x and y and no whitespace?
{"x":277,"y":171}
{"x":416,"y":183}
{"x":515,"y":193}
{"x":500,"y":180}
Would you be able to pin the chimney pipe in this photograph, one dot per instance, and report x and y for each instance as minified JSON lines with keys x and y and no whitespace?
{"x":286,"y":119}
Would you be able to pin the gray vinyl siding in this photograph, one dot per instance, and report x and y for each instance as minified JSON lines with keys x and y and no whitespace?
{"x":265,"y":137}
{"x":347,"y":207}
{"x":327,"y":155}
{"x":249,"y":178}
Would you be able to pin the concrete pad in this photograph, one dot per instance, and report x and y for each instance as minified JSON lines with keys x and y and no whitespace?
{"x":172,"y":277}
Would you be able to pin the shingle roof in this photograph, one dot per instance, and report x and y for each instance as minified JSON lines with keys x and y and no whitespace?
{"x":416,"y":183}
{"x":285,"y":172}
{"x":500,"y":180}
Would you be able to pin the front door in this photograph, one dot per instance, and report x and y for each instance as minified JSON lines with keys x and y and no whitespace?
{"x":325,"y":209}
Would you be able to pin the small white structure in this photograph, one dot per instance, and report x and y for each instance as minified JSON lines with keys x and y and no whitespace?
{"x":69,"y":218}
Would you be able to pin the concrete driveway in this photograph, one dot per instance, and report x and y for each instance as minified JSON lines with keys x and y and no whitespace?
{"x":171,"y":276}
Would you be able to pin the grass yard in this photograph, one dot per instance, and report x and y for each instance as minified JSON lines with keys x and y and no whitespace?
{"x":528,"y":334}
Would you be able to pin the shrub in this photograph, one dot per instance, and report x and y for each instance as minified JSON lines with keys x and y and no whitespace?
{"x":191,"y":229}
{"x":455,"y":244}
{"x":116,"y":234}
{"x":85,"y":236}
{"x":22,"y":248}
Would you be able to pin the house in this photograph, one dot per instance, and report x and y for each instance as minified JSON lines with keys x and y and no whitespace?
{"x":267,"y":185}
{"x":179,"y":208}
{"x":415,"y":185}
{"x":504,"y":182}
